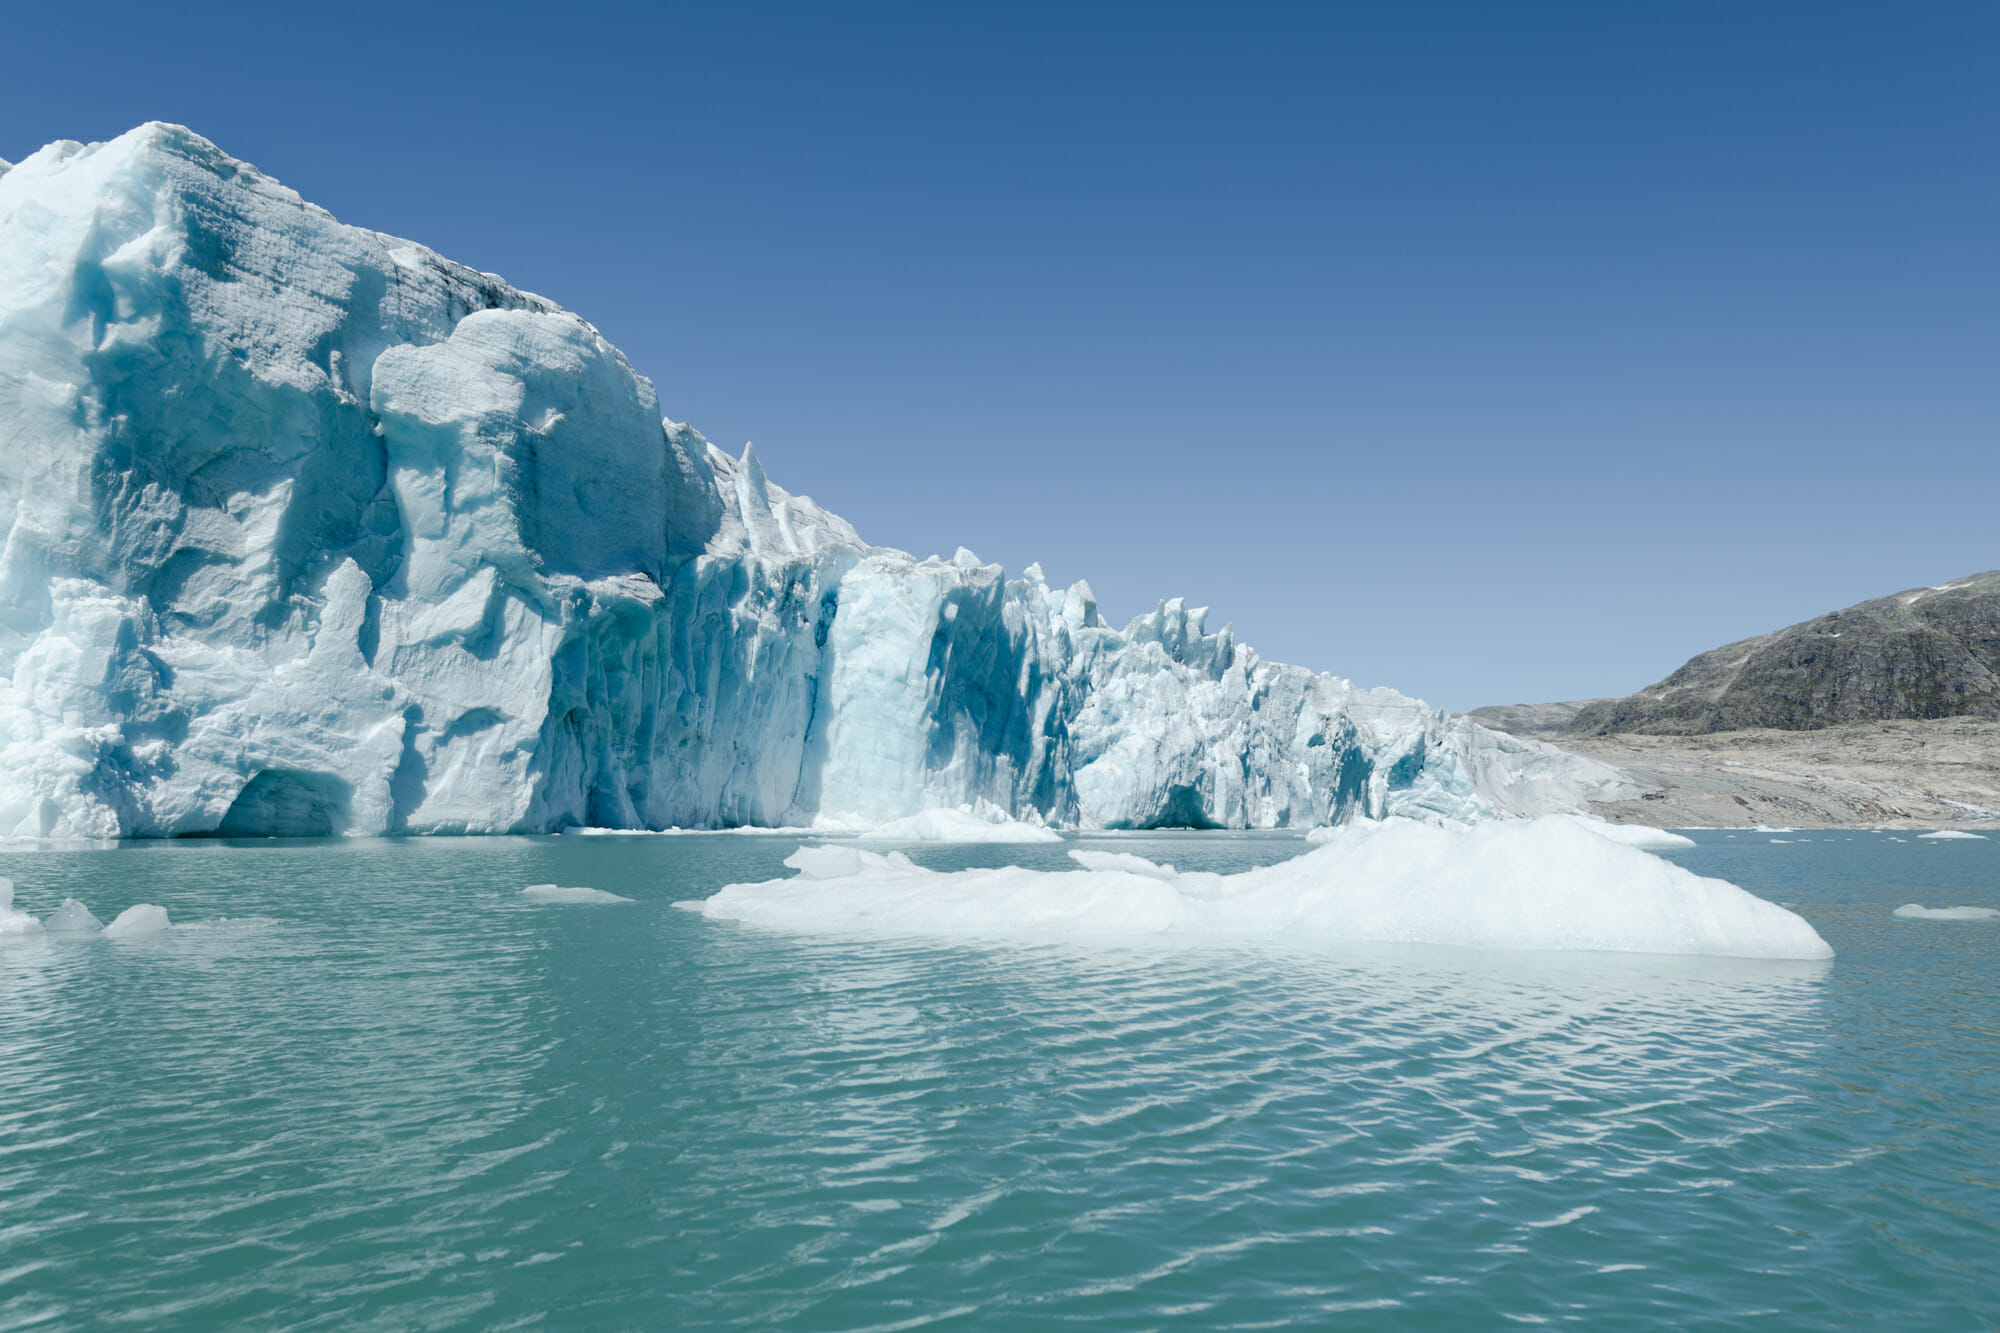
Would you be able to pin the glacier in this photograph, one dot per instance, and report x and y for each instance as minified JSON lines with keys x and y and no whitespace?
{"x":309,"y":530}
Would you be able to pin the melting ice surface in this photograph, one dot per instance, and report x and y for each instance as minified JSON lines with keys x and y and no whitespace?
{"x":72,"y":918}
{"x":1550,"y":884}
{"x":137,"y":921}
{"x":13,"y":921}
{"x":562,"y":893}
{"x":1919,"y":912}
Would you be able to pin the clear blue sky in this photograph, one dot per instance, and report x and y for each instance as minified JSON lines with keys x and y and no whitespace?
{"x":1493,"y":352}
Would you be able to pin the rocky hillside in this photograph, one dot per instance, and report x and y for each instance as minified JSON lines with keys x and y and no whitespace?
{"x":1542,"y":721}
{"x":1922,"y":654}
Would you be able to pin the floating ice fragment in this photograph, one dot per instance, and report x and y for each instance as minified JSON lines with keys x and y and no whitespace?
{"x":558,"y":893}
{"x":1126,"y":861}
{"x":1545,"y":884}
{"x":1953,"y":835}
{"x":11,"y":921}
{"x":137,"y":920}
{"x":1922,"y":913}
{"x":72,"y":918}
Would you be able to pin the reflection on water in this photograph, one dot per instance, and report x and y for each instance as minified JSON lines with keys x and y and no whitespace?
{"x":401,"y":1096}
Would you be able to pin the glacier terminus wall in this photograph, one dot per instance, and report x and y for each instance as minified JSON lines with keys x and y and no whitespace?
{"x":308,"y":530}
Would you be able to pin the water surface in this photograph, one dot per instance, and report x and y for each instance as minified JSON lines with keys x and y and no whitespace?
{"x":364,"y":1085}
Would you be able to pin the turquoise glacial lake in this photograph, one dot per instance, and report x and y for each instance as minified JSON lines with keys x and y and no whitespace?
{"x":364,"y":1085}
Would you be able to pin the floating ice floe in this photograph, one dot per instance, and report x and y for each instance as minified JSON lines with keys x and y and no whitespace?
{"x":13,"y":922}
{"x":1953,"y":835}
{"x":1922,"y":913}
{"x":1546,"y":885}
{"x":558,"y":893}
{"x":137,"y":920}
{"x":72,"y":918}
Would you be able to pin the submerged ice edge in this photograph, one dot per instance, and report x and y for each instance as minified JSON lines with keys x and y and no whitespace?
{"x":1549,"y":884}
{"x":572,"y":894}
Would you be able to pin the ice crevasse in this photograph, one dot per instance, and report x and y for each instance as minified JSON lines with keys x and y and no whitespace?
{"x":309,"y":530}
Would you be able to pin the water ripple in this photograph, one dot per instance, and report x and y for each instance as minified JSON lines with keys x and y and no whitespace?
{"x":403,"y":1099}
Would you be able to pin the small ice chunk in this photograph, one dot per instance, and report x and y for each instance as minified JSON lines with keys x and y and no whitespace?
{"x":1953,"y":835}
{"x":137,"y":920}
{"x":558,"y":893}
{"x":11,"y":921}
{"x":72,"y":918}
{"x":1126,"y":861}
{"x":1919,"y":912}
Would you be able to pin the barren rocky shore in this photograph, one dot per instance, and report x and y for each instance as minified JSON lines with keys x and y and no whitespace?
{"x":1898,"y":774}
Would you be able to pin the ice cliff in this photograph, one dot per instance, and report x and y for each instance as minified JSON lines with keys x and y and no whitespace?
{"x":309,"y":530}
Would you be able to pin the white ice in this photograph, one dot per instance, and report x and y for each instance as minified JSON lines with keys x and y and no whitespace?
{"x":1632,"y":835}
{"x":558,"y":893}
{"x":1546,"y":884}
{"x":1953,"y":835}
{"x":979,"y":822}
{"x":305,"y":529}
{"x":138,"y":920}
{"x":1921,"y":912}
{"x":72,"y":918}
{"x":12,"y":921}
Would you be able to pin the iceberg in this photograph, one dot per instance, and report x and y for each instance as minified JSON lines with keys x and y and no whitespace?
{"x":1918,"y":912}
{"x":13,"y":921}
{"x":1546,"y":885}
{"x":72,"y":918}
{"x":137,"y":922}
{"x":308,"y":530}
{"x":563,"y":893}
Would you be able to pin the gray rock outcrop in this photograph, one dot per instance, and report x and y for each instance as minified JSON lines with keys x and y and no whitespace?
{"x":1924,"y":653}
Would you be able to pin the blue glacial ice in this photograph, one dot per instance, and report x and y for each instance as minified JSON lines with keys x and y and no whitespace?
{"x":309,"y":530}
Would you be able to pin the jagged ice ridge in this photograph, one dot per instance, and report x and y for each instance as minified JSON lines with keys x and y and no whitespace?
{"x":310,"y":530}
